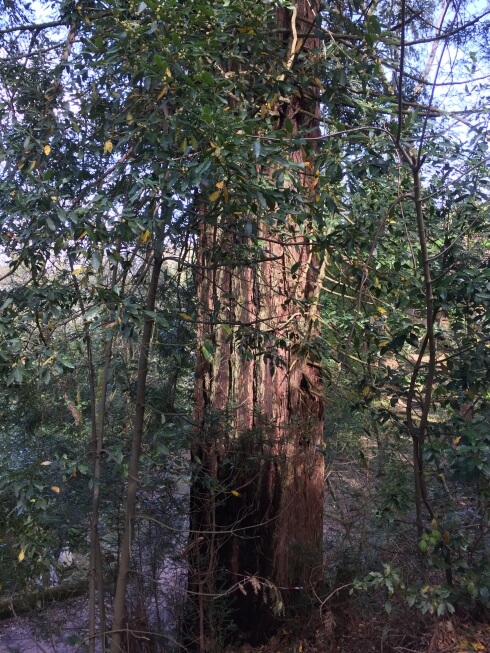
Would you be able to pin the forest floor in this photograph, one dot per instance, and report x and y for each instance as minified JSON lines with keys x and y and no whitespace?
{"x":359,"y":539}
{"x":355,"y":633}
{"x":54,"y":629}
{"x":346,"y":628}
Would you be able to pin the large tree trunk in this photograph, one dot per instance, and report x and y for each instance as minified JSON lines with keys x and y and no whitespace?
{"x":257,"y":493}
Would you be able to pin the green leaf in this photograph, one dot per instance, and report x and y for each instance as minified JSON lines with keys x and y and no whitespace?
{"x":50,"y":223}
{"x":92,"y":312}
{"x":95,"y":261}
{"x":207,"y":114}
{"x":6,"y":303}
{"x":289,"y":126}
{"x":208,"y":351}
{"x":160,"y":62}
{"x":207,"y":78}
{"x":15,"y":376}
{"x":66,"y":362}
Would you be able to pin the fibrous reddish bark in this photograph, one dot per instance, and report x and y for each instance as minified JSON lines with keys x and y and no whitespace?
{"x":257,"y":494}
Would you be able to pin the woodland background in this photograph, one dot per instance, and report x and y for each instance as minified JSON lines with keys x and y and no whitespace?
{"x":244,"y":309}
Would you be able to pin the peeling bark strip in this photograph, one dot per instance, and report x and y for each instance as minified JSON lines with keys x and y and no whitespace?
{"x":257,"y":494}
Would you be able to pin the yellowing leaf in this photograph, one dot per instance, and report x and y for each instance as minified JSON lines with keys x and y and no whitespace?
{"x":235,"y":493}
{"x":22,"y":554}
{"x":56,"y":489}
{"x":168,"y":72}
{"x":185,"y":316}
{"x":214,"y":196}
{"x":145,"y":237}
{"x":478,"y":647}
{"x":456,"y":440}
{"x":108,"y":146}
{"x":162,"y":93}
{"x":47,"y":150}
{"x":384,"y":343}
{"x":274,"y":99}
{"x":366,"y":392}
{"x":381,"y":310}
{"x":470,"y":394}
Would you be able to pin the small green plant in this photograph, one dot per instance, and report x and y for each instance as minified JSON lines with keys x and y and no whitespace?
{"x":430,"y":540}
{"x":434,"y":599}
{"x":389,"y":580}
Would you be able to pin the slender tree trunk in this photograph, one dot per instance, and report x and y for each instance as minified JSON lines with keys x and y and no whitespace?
{"x":257,"y":493}
{"x":96,"y":582}
{"x":96,"y":571}
{"x":95,"y":447}
{"x":134,"y":465}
